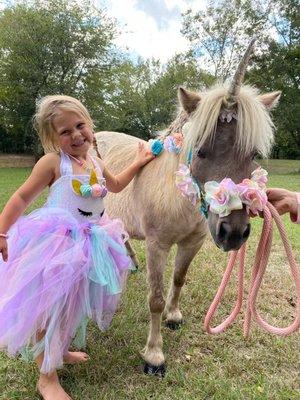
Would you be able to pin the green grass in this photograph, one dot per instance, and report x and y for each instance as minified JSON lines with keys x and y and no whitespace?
{"x":199,"y":366}
{"x":281,"y":166}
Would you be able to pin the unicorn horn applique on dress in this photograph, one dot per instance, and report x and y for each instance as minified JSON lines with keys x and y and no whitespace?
{"x":92,"y":189}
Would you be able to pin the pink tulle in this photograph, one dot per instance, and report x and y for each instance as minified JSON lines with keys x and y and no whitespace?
{"x":59,"y":273}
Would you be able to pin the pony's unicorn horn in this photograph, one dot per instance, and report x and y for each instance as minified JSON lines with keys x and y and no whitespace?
{"x":239,"y":75}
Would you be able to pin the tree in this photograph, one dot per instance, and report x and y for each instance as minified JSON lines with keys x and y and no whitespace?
{"x":181,"y":70}
{"x":144,"y":98}
{"x":220,"y":33}
{"x":46,"y":48}
{"x":279,"y":69}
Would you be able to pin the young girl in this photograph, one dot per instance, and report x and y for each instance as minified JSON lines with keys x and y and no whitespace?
{"x":65,"y":262}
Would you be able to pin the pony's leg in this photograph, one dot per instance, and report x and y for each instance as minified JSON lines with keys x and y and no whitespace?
{"x":152,"y":353}
{"x":186,"y":251}
{"x":132,"y":255}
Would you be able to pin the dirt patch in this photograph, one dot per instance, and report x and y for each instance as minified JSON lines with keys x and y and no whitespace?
{"x":16,"y":161}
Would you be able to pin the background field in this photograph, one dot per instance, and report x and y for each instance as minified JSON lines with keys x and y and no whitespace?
{"x":199,"y":366}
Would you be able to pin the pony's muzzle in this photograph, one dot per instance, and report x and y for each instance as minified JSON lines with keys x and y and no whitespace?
{"x":229,"y":237}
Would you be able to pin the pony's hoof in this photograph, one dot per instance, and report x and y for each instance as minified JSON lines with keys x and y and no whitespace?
{"x":174,"y":325}
{"x":157,"y":370}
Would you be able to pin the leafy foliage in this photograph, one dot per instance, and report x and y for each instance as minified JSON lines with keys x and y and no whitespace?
{"x":279,"y":69}
{"x":54,"y":46}
{"x":144,"y":97}
{"x":220,"y":33}
{"x":45,"y":48}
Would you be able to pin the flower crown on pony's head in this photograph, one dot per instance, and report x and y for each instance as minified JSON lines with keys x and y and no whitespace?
{"x":92,"y":189}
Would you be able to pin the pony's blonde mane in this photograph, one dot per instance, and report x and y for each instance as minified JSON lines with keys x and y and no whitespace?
{"x":177,"y":125}
{"x":254,"y":125}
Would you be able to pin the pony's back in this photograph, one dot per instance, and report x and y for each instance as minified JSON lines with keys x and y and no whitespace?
{"x":106,"y":140}
{"x":118,"y":150}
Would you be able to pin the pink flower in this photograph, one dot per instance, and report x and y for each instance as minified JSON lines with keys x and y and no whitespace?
{"x":222,"y":197}
{"x":173,"y":143}
{"x":186,"y":185}
{"x":252,"y":195}
{"x":260,"y":176}
{"x":178,"y":139}
{"x":98,"y":190}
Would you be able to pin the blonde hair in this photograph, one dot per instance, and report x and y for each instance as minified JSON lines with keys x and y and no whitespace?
{"x":47,"y":109}
{"x":255,"y":129}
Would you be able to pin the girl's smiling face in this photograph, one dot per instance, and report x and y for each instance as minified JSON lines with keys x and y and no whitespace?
{"x":73,"y":134}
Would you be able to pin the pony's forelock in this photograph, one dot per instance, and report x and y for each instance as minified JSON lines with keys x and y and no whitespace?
{"x":254,"y":125}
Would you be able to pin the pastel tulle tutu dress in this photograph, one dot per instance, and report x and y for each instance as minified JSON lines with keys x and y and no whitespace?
{"x":67,"y":263}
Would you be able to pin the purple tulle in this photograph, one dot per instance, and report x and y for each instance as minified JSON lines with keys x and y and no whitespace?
{"x":59,"y":273}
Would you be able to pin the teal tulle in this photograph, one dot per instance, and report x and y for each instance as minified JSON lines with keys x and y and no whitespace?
{"x":103,"y":270}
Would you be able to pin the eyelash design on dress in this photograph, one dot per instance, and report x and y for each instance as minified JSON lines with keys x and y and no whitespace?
{"x":85,"y":213}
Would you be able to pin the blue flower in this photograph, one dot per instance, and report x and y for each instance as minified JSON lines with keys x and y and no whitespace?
{"x":86,"y":190}
{"x":156,"y":147}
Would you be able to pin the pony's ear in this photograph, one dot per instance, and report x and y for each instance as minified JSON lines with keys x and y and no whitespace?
{"x":188,"y":100}
{"x":270,"y":100}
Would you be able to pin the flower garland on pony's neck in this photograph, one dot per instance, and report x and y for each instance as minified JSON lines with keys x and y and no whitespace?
{"x":220,"y":197}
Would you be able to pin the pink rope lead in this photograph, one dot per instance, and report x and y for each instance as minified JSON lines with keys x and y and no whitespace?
{"x":259,"y":267}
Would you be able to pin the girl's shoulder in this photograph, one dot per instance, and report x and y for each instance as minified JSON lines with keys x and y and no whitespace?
{"x":49,"y":162}
{"x":49,"y":159}
{"x":50,"y":156}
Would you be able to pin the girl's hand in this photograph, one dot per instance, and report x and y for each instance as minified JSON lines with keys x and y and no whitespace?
{"x":116,"y":183}
{"x":143,"y":156}
{"x":3,"y":248}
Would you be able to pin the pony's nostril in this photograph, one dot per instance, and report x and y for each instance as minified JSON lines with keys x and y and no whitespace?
{"x":247,"y":232}
{"x":222,"y":231}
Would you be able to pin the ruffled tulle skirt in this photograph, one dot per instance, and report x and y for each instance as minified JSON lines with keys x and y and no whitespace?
{"x":59,"y":274}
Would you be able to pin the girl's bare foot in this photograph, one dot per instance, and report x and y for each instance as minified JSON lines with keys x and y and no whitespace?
{"x":74,"y":357}
{"x":49,"y":388}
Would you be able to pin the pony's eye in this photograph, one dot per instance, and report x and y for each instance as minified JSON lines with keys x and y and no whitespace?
{"x":85,"y":213}
{"x":201,"y":154}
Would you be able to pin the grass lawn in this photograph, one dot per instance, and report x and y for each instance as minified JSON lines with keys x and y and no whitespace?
{"x":199,"y":366}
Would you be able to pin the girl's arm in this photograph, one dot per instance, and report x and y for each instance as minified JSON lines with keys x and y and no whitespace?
{"x":118,"y":182}
{"x":41,"y":176}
